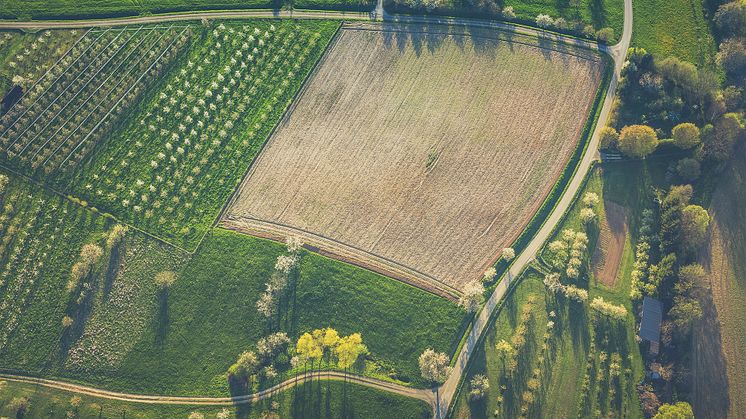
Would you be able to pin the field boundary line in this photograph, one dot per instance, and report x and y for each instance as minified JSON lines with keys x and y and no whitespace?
{"x":335,"y":249}
{"x":293,"y":101}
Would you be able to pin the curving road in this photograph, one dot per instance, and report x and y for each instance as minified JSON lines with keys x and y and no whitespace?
{"x":441,"y":397}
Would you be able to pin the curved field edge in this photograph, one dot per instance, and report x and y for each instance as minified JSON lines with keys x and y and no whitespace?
{"x":322,"y":398}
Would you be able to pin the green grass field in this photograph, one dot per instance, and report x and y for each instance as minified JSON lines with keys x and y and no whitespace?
{"x":677,"y":28}
{"x":127,"y":339}
{"x":331,"y":399}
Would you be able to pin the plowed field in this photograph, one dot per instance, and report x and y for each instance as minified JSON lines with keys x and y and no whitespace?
{"x":420,"y":154}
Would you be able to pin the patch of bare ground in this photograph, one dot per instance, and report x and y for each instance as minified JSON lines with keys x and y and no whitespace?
{"x":719,"y":352}
{"x":420,"y":154}
{"x":610,"y":245}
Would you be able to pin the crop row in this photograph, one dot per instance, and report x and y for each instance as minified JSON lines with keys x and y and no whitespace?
{"x":170,"y":169}
{"x":100,"y":77}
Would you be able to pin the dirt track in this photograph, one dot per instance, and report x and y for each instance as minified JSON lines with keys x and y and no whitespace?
{"x":424,"y":150}
{"x":610,"y":247}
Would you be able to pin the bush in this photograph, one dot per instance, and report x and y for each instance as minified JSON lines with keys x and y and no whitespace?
{"x":605,"y":35}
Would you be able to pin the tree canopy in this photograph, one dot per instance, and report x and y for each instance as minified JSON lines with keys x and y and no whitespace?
{"x":637,"y":141}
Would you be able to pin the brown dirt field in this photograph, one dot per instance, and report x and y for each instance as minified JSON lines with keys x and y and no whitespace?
{"x":422,"y":153}
{"x":610,"y":245}
{"x":719,"y":353}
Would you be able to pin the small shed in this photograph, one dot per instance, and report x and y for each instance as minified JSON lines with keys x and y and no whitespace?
{"x":650,"y":325}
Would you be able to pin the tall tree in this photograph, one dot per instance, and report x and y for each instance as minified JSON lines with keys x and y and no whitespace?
{"x":637,"y":141}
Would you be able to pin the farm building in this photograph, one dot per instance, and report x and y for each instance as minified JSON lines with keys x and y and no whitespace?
{"x":650,"y":324}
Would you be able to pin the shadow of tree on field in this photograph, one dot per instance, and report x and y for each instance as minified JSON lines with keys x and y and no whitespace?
{"x":162,"y":319}
{"x":598,"y":13}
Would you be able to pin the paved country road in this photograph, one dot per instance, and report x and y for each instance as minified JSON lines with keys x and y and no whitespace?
{"x":442,"y":397}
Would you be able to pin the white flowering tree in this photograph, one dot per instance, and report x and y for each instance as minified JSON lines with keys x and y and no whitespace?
{"x":434,"y":366}
{"x":473,"y":296}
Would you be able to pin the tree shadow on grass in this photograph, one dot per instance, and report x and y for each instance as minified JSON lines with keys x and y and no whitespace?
{"x":162,"y":318}
{"x":112,"y":270}
{"x":598,"y":13}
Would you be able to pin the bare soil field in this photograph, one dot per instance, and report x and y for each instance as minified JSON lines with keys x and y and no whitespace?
{"x":610,"y":245}
{"x":719,"y":352}
{"x":420,"y":154}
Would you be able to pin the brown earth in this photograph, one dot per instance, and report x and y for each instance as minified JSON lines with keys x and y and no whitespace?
{"x":719,"y":344}
{"x":610,"y":245}
{"x":420,"y":151}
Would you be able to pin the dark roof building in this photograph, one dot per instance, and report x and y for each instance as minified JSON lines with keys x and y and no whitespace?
{"x":650,"y":325}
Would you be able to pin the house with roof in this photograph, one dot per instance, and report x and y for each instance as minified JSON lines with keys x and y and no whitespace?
{"x":650,"y":323}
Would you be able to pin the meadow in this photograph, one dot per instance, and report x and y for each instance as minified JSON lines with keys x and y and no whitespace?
{"x":125,"y":336}
{"x":317,"y":399}
{"x":674,"y":28}
{"x":720,"y":336}
{"x":410,"y":138}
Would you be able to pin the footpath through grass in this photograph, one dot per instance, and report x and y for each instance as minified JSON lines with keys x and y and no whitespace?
{"x":330,"y":399}
{"x":673,"y":27}
{"x":126,"y":338}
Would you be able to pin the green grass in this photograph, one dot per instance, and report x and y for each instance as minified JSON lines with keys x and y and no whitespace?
{"x":169,"y":169}
{"x":679,"y":28}
{"x":329,"y":399}
{"x":129,"y":341}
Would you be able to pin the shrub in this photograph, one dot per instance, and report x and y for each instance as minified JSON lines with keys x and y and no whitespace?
{"x":116,"y":235}
{"x":605,"y":35}
{"x":479,"y":385}
{"x":544,"y":21}
{"x":67,"y":321}
{"x":587,"y":215}
{"x":508,"y":253}
{"x":590,"y":199}
{"x":165,"y":279}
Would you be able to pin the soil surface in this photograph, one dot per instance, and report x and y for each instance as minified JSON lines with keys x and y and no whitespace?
{"x":610,"y":246}
{"x":424,"y":151}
